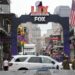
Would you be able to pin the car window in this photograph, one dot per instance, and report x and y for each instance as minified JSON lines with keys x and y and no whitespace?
{"x":45,"y":60}
{"x":20,"y":59}
{"x":35,"y":60}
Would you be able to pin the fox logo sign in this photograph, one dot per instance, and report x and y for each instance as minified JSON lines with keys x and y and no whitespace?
{"x":39,"y":19}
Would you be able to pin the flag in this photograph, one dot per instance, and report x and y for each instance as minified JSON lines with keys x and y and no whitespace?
{"x":72,"y":15}
{"x":48,"y":48}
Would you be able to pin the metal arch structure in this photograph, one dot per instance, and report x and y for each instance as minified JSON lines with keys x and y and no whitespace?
{"x":64,"y":21}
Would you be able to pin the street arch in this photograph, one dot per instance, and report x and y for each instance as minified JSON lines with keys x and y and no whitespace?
{"x":64,"y":21}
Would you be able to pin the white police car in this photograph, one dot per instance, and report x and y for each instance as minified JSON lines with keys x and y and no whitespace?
{"x":32,"y":62}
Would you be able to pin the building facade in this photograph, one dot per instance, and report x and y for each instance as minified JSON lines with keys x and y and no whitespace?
{"x":62,"y":11}
{"x":5,"y":29}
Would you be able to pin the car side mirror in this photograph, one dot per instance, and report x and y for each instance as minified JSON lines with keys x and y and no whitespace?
{"x":52,"y":62}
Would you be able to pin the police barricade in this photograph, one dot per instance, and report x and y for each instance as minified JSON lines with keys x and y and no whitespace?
{"x":40,"y":72}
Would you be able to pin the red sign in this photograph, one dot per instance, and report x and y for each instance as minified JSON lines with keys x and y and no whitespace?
{"x":41,"y":10}
{"x":54,"y":38}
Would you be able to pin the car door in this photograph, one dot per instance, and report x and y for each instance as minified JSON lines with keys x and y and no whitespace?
{"x":19,"y":62}
{"x":35,"y":62}
{"x":46,"y":62}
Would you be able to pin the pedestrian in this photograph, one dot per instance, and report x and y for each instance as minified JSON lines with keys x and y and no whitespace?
{"x":5,"y":65}
{"x":65,"y":63}
{"x":73,"y":63}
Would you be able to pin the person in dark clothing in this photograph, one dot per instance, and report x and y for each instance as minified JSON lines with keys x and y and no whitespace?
{"x":65,"y":63}
{"x":73,"y":64}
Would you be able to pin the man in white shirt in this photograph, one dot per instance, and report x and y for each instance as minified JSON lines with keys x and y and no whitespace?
{"x":5,"y":65}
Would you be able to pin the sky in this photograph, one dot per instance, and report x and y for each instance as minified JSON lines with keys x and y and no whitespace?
{"x":21,"y":7}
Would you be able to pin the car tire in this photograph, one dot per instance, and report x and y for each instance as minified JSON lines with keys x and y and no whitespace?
{"x":57,"y":67}
{"x":23,"y":69}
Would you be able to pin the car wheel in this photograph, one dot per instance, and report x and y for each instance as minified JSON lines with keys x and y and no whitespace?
{"x":57,"y":67}
{"x":23,"y":69}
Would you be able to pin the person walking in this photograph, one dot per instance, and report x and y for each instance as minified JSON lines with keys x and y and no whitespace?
{"x":73,"y":63}
{"x":65,"y":63}
{"x":5,"y":65}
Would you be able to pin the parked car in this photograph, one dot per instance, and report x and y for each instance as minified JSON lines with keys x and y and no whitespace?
{"x":30,"y":62}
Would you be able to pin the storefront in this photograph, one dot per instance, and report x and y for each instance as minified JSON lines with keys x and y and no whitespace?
{"x":5,"y":30}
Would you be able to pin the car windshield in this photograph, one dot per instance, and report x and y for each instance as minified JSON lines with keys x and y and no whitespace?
{"x":20,"y":59}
